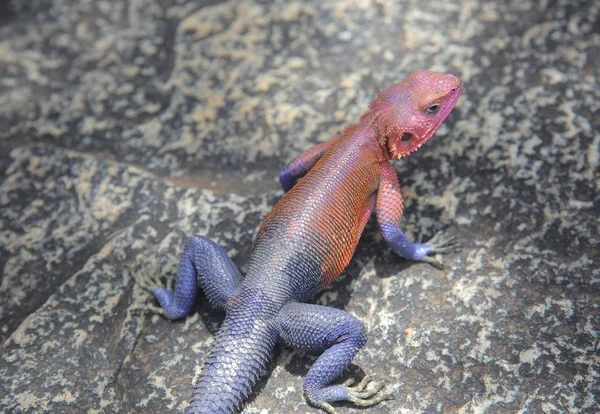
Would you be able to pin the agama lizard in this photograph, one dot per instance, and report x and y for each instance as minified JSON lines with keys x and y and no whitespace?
{"x":303,"y":244}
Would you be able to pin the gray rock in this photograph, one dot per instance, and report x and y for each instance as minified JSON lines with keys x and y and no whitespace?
{"x":127,"y":127}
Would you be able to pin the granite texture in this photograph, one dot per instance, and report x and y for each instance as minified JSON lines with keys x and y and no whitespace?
{"x":128,"y":126}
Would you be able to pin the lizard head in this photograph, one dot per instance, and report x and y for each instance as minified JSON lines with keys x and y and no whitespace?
{"x":407,"y":114}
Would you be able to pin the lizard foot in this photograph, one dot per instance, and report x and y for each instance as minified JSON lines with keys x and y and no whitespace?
{"x":358,"y":394}
{"x":441,"y":244}
{"x":150,"y":280}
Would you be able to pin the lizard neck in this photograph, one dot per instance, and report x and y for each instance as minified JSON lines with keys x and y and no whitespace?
{"x":365,"y":137}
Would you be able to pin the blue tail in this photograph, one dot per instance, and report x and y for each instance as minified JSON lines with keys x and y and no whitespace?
{"x":242,"y":349}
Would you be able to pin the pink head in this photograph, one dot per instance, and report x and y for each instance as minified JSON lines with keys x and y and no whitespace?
{"x":408,"y":113}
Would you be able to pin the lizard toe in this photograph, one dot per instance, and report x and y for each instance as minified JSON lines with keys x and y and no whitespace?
{"x":442,"y":244}
{"x":358,"y":394}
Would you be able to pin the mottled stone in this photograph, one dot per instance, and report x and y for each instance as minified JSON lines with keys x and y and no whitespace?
{"x":126,"y":127}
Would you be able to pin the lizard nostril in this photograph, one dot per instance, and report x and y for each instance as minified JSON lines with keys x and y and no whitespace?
{"x":407,"y":136}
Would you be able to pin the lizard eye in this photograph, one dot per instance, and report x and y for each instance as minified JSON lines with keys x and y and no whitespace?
{"x":432,"y":108}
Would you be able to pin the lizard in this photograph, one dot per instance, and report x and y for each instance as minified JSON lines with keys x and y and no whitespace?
{"x":302,"y":246}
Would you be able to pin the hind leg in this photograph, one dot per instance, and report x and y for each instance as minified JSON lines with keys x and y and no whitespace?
{"x":203,"y":263}
{"x":340,"y":335}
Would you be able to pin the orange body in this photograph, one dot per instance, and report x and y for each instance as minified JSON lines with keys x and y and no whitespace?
{"x":325,"y":213}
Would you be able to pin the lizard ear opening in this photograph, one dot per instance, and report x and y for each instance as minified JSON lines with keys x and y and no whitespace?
{"x":407,"y":136}
{"x":401,"y":143}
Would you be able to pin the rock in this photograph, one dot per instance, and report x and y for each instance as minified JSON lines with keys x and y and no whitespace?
{"x":127,"y":127}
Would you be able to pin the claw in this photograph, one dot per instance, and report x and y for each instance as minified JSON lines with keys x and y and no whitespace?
{"x":434,"y":261}
{"x":367,"y":394}
{"x":358,"y":395}
{"x":363,"y":398}
{"x":152,"y":309}
{"x":441,"y":244}
{"x":361,"y":385}
{"x":325,"y":406}
{"x":171,"y":283}
{"x":348,"y":382}
{"x":148,"y":281}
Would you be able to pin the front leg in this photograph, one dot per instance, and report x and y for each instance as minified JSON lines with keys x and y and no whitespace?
{"x":340,"y":335}
{"x":389,"y":211}
{"x":300,"y":166}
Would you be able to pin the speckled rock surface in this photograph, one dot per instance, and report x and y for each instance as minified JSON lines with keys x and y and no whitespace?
{"x":126,"y":127}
